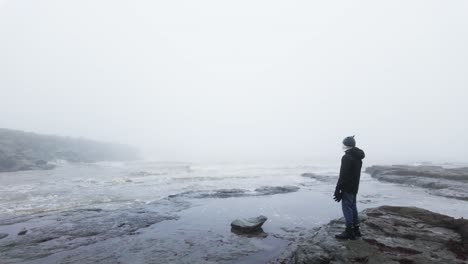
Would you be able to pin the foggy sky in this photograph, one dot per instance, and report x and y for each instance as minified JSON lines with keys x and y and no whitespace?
{"x":241,"y":80}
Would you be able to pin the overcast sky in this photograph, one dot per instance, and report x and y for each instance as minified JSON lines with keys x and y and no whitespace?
{"x":241,"y":80}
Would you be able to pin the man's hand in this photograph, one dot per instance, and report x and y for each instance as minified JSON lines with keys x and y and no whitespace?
{"x":337,"y":195}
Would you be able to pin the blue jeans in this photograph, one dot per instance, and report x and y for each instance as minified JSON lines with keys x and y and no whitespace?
{"x":348,"y":204}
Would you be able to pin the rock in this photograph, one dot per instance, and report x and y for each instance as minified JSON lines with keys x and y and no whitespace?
{"x":8,"y":163}
{"x":3,"y":235}
{"x":390,"y":235}
{"x":46,"y":166}
{"x":269,"y":190}
{"x":321,"y":178}
{"x":248,"y":225}
{"x":221,"y":193}
{"x":72,"y":229}
{"x":438,"y":172}
{"x":257,"y":233}
{"x":224,"y":193}
{"x":450,"y":183}
{"x":228,"y":193}
{"x":40,"y":162}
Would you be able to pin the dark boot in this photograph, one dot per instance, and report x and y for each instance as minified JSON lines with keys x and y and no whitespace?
{"x":357,"y":231}
{"x":347,"y":234}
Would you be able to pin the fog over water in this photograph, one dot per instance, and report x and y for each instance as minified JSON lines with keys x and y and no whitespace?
{"x":239,"y":109}
{"x":241,"y":80}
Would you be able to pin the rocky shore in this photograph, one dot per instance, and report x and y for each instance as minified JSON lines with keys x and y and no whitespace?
{"x":447,"y":182}
{"x":405,"y":235}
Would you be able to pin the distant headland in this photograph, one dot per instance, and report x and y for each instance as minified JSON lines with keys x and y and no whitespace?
{"x":21,"y":150}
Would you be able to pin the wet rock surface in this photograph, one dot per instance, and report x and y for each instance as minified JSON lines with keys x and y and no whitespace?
{"x":390,"y":235}
{"x":228,"y":193}
{"x":168,"y":231}
{"x":248,"y":225}
{"x":221,"y":193}
{"x":55,"y":233}
{"x":21,"y":163}
{"x":270,"y":190}
{"x":22,"y":232}
{"x":447,"y":182}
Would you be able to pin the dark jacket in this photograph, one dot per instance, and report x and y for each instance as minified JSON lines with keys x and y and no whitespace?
{"x":350,"y":172}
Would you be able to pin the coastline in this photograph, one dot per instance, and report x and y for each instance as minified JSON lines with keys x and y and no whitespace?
{"x":135,"y":222}
{"x":391,"y":234}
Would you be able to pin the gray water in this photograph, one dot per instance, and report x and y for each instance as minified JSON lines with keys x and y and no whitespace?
{"x":153,"y":212}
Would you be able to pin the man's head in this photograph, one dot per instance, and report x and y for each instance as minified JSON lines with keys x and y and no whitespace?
{"x":349,"y":142}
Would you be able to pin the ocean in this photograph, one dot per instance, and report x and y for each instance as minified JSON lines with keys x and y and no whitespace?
{"x":177,"y":212}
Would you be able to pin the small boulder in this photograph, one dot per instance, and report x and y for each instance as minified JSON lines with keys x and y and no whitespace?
{"x":3,"y":235}
{"x":248,"y":225}
{"x":22,"y":232}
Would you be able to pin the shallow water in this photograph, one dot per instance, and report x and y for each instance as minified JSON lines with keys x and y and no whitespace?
{"x":116,"y":185}
{"x":136,"y":222}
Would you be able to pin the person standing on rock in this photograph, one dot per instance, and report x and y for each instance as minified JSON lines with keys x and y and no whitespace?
{"x":347,"y":187}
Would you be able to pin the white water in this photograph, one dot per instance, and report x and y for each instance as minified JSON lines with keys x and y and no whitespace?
{"x":127,"y":184}
{"x":117,"y":185}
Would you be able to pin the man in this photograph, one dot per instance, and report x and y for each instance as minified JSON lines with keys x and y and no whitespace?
{"x":347,"y":187}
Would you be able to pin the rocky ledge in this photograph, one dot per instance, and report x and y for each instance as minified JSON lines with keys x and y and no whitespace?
{"x":405,"y":235}
{"x":447,"y":182}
